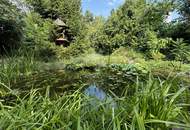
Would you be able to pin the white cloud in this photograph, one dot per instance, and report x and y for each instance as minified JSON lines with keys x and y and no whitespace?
{"x":110,"y":3}
{"x":114,"y":2}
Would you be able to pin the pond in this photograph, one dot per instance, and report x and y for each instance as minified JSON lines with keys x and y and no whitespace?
{"x":99,"y":95}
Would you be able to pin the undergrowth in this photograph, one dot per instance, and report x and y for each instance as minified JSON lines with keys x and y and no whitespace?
{"x":152,"y":105}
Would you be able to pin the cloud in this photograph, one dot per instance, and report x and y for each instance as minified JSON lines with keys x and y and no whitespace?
{"x":111,"y":2}
{"x":114,"y":2}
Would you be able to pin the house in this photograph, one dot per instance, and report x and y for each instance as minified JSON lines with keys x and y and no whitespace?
{"x":61,"y":39}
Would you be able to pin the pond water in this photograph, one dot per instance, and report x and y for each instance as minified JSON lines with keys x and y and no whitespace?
{"x":99,"y":95}
{"x":96,"y":92}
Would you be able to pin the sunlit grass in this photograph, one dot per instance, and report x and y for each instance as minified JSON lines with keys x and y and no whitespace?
{"x":27,"y":102}
{"x":153,"y":105}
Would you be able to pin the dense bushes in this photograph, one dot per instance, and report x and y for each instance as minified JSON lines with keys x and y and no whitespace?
{"x":40,"y":32}
{"x":78,"y":47}
{"x":139,"y":26}
{"x":38,"y":35}
{"x":69,"y":11}
{"x":123,"y":28}
{"x":178,"y":50}
{"x":11,"y":27}
{"x":37,"y":31}
{"x":136,"y":25}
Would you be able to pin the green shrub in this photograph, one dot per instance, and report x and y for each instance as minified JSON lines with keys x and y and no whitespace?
{"x":77,"y":48}
{"x":37,"y":31}
{"x":117,"y":76}
{"x":102,"y":44}
{"x":38,"y":34}
{"x":46,"y":53}
{"x":151,"y":45}
{"x":157,"y":55}
{"x":178,"y":50}
{"x":129,"y":53}
{"x":11,"y":27}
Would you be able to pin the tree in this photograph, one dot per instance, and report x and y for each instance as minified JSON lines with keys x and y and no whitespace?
{"x":185,"y":9}
{"x":46,"y":8}
{"x":88,"y":17}
{"x":184,"y":26}
{"x":68,"y":11}
{"x":135,"y":24}
{"x":11,"y":26}
{"x":71,"y":14}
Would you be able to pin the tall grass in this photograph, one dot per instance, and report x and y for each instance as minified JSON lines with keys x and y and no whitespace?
{"x":12,"y":67}
{"x":158,"y":105}
{"x":149,"y":105}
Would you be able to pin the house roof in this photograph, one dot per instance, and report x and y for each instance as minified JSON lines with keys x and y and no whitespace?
{"x":59,"y":22}
{"x":61,"y":39}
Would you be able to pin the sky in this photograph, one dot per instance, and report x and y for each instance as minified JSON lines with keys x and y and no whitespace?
{"x":101,"y":7}
{"x":104,"y":7}
{"x":172,"y":16}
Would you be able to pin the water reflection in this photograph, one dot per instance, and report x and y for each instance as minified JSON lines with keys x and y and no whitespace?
{"x":99,"y":95}
{"x":94,"y":91}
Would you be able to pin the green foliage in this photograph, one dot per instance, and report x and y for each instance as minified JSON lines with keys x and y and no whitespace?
{"x":94,"y":26}
{"x":11,"y":27}
{"x":135,"y":31}
{"x":157,"y":104}
{"x":37,"y":30}
{"x":128,"y":69}
{"x":165,"y":69}
{"x":83,"y":42}
{"x":151,"y":105}
{"x":184,"y":9}
{"x":135,"y":24}
{"x":80,"y":46}
{"x":153,"y":45}
{"x":46,"y":53}
{"x":102,"y":43}
{"x":46,"y":8}
{"x":117,"y":76}
{"x":71,"y":14}
{"x":21,"y":64}
{"x":180,"y":28}
{"x":88,"y":17}
{"x":67,"y":10}
{"x":184,"y":27}
{"x":38,"y":34}
{"x":180,"y":51}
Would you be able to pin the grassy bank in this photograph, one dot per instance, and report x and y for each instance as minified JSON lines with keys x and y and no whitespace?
{"x":152,"y":105}
{"x":37,"y":95}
